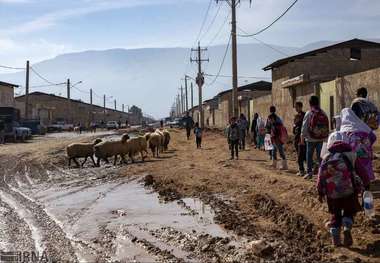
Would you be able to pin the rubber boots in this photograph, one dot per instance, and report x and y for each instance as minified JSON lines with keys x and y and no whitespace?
{"x":347,"y":237}
{"x":284,"y":165}
{"x":335,"y":236}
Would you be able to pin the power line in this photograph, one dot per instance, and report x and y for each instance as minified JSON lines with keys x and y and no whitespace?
{"x":271,"y":24}
{"x":41,"y":77}
{"x":212,"y":22}
{"x":223,"y":60}
{"x":9,"y":67}
{"x":240,"y":77}
{"x":219,"y":30}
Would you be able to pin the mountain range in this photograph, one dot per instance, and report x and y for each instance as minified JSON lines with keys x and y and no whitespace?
{"x":149,"y":77}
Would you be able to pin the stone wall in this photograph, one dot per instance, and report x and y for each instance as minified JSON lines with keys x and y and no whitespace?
{"x":6,"y":96}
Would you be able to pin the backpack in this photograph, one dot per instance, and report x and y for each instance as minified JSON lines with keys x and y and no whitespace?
{"x":319,"y":125}
{"x":337,"y":178}
{"x":282,"y":133}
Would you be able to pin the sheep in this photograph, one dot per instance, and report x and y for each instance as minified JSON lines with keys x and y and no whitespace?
{"x":147,"y":136}
{"x":136,"y":145}
{"x":81,"y":150}
{"x":107,"y":149}
{"x":162,"y":139}
{"x":166,"y":139}
{"x":154,"y":143}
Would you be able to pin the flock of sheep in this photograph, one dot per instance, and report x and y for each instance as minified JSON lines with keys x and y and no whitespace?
{"x":157,"y":141}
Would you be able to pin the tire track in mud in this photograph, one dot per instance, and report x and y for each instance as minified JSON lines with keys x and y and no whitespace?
{"x":47,"y":236}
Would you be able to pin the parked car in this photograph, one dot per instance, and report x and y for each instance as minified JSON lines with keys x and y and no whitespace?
{"x":112,"y":125}
{"x":13,"y":130}
{"x":176,"y":123}
{"x":35,"y":126}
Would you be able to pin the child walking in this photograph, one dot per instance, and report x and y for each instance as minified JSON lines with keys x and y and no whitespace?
{"x":233,"y":137}
{"x":340,"y":186}
{"x":198,"y":135}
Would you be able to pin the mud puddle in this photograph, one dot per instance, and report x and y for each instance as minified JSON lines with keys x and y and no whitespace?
{"x":120,"y":220}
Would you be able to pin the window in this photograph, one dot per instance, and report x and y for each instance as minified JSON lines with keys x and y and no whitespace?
{"x":355,"y":54}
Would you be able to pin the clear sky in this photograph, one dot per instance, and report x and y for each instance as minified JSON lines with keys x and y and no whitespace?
{"x":40,"y":29}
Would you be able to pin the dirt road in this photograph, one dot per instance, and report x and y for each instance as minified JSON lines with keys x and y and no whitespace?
{"x":198,"y":206}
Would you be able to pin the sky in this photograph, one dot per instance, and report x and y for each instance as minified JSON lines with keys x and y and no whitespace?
{"x":36,"y":30}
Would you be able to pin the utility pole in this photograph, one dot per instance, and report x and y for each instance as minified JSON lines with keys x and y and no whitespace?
{"x":182,"y":101}
{"x":70,"y":118}
{"x":192,"y":95}
{"x":91,"y":96}
{"x":200,"y":79}
{"x":187,"y":105}
{"x":122,"y":107}
{"x":27,"y":91}
{"x":104,"y":107}
{"x":115,"y":104}
{"x":178,"y":106}
{"x":235,"y":109}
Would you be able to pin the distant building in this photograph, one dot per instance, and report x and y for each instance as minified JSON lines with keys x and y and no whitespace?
{"x":7,"y":94}
{"x":49,"y":108}
{"x":218,"y":110}
{"x":298,"y":77}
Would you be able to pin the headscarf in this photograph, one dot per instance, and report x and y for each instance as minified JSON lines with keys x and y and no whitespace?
{"x":350,"y":122}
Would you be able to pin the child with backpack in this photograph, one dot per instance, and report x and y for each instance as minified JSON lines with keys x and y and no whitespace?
{"x":198,"y":135}
{"x":340,"y":186}
{"x":315,"y":130}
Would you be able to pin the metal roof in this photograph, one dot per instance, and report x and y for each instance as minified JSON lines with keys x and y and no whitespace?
{"x":353,"y":43}
{"x":2,"y":83}
{"x":260,"y":86}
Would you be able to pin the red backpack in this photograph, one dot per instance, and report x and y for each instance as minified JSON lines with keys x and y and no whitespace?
{"x":319,"y":125}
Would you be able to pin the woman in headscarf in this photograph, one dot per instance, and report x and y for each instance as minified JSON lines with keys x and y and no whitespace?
{"x":361,"y":138}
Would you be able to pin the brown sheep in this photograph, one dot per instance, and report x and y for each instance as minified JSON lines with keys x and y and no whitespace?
{"x":81,"y":150}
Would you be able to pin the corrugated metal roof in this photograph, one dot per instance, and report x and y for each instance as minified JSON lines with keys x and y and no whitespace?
{"x":353,"y":43}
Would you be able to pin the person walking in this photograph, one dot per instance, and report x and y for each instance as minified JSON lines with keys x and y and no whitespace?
{"x":260,"y":130}
{"x":254,"y":129}
{"x":277,"y":131}
{"x":233,"y":137}
{"x":315,"y":129}
{"x":243,"y":127}
{"x":198,"y":135}
{"x":300,"y":148}
{"x":365,"y":109}
{"x":188,"y":123}
{"x":340,"y":186}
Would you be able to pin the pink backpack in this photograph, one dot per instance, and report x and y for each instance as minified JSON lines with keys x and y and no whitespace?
{"x":337,"y":178}
{"x":319,"y":125}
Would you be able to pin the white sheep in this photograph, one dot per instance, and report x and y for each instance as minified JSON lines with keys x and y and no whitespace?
{"x":166,"y":139}
{"x":81,"y":150}
{"x":137,"y":145}
{"x":154,"y":143}
{"x":107,"y":149}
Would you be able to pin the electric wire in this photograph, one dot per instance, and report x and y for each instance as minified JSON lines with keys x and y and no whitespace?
{"x":271,"y":24}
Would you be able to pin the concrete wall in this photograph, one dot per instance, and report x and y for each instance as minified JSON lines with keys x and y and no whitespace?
{"x":261,"y":105}
{"x":319,"y":68}
{"x":6,"y":96}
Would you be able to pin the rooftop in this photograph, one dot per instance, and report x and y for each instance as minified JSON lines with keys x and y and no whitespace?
{"x":2,"y":83}
{"x":258,"y":86}
{"x":353,"y":43}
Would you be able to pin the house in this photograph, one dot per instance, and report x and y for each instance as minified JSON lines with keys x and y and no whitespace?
{"x":7,"y":94}
{"x":49,"y":108}
{"x":298,"y":77}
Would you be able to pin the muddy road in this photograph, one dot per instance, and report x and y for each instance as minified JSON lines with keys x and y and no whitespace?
{"x":188,"y":205}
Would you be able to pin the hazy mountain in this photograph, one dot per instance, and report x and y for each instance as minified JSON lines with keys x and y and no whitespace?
{"x":149,"y":77}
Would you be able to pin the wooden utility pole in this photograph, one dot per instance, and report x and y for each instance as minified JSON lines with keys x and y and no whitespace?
{"x":235,"y":108}
{"x":104,"y":108}
{"x":200,"y":79}
{"x":187,"y":103}
{"x":91,"y":96}
{"x":115,"y":104}
{"x":70,"y":118}
{"x":27,"y":91}
{"x":192,"y":94}
{"x":178,"y":106}
{"x":182,"y":101}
